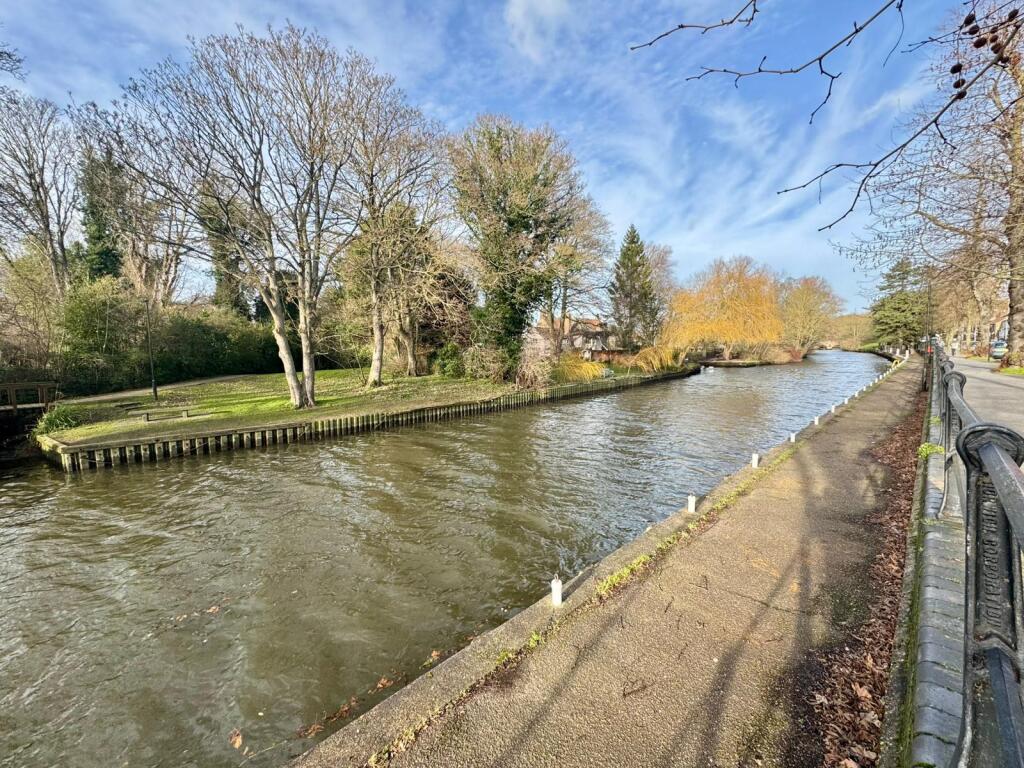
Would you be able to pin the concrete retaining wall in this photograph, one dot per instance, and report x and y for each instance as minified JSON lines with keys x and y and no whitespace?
{"x":939,"y":661}
{"x":924,"y":707}
{"x":151,"y":449}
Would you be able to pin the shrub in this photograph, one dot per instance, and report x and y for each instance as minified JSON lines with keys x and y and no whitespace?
{"x":571,"y":368}
{"x":54,"y":420}
{"x":533,"y":371}
{"x":485,"y":363}
{"x":193,"y":344}
{"x":448,"y":361}
{"x":104,"y":328}
{"x":653,"y":359}
{"x":106,"y":349}
{"x":777,"y":355}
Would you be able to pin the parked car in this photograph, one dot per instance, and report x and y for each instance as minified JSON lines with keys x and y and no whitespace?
{"x":998,"y":350}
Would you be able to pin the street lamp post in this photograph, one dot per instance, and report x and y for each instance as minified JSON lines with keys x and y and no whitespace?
{"x":149,"y":345}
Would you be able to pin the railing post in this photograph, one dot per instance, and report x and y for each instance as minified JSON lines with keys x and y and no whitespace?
{"x":996,"y":569}
{"x":950,"y":417}
{"x":994,"y":611}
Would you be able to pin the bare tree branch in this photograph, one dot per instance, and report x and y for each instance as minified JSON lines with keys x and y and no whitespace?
{"x":819,"y":60}
{"x":736,"y":18}
{"x":874,"y":167}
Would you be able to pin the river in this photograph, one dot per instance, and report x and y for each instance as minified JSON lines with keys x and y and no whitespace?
{"x":148,"y":611}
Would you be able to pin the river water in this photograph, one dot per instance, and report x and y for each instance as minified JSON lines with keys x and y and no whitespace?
{"x":147,"y":612}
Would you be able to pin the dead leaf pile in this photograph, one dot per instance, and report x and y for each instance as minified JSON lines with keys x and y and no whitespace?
{"x":849,"y":704}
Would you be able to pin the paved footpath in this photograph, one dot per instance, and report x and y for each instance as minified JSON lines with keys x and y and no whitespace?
{"x":708,"y":660}
{"x":994,"y":396}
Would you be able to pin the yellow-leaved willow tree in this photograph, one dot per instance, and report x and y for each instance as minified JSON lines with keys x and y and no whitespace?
{"x":732,"y":304}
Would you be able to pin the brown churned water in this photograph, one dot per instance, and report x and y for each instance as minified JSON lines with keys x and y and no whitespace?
{"x":147,"y":612}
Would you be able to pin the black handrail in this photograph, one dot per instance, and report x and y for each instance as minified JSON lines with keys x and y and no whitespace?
{"x":989,"y":489}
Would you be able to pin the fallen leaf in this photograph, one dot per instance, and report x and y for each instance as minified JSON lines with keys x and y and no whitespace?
{"x":235,"y":739}
{"x":343,"y":711}
{"x":309,"y":730}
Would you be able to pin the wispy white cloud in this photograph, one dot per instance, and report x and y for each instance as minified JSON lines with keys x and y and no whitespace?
{"x":536,"y":26}
{"x":694,"y":164}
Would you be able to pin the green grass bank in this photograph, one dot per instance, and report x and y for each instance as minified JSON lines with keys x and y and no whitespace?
{"x":251,"y":412}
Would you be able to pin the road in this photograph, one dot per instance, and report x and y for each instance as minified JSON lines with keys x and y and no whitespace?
{"x":994,"y":396}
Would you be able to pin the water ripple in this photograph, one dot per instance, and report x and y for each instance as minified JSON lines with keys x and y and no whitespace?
{"x":148,"y":611}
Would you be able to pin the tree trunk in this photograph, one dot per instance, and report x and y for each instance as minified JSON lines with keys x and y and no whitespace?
{"x":563,"y":317}
{"x":280,"y":329}
{"x":59,"y":271}
{"x":407,"y":336}
{"x":308,"y":358}
{"x":1014,"y":228}
{"x":411,"y":366}
{"x":377,"y":326}
{"x":1015,"y":318}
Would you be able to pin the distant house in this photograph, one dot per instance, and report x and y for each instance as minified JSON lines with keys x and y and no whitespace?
{"x":591,"y":337}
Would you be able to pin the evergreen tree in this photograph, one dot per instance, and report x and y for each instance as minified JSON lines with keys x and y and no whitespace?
{"x":898,"y":314}
{"x":103,"y":194}
{"x":635,"y":303}
{"x":518,"y":192}
{"x":226,"y":265}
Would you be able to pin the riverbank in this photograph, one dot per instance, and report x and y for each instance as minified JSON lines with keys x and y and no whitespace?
{"x":251,"y":413}
{"x":698,"y":642}
{"x":238,"y":402}
{"x":385,"y":552}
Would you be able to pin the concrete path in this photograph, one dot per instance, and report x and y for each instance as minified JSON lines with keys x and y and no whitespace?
{"x":147,"y":391}
{"x":994,"y":396}
{"x":709,"y":659}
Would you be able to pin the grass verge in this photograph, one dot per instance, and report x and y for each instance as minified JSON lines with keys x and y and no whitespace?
{"x":260,"y":400}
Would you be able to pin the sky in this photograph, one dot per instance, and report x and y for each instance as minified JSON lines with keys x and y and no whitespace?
{"x":695,"y":165}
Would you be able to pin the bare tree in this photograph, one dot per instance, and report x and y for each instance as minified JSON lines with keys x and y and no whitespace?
{"x":954,"y":202}
{"x":990,"y":26}
{"x":578,"y":269}
{"x":666,"y":285}
{"x":256,"y":129}
{"x":397,"y":183}
{"x":38,"y":190}
{"x":10,"y":61}
{"x":147,"y":232}
{"x":809,"y":307}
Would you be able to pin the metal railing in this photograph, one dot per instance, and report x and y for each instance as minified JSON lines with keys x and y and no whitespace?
{"x":984,"y":482}
{"x":42,"y":394}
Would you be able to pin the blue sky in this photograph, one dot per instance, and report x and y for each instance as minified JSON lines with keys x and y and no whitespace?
{"x":695,"y":165}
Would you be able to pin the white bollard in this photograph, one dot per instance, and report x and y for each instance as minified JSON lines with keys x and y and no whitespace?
{"x":817,"y":420}
{"x":846,"y":401}
{"x":754,"y":460}
{"x":556,"y":591}
{"x":833,"y":409}
{"x":792,"y":437}
{"x":691,"y":503}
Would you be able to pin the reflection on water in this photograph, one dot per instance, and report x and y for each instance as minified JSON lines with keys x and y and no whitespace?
{"x":148,"y":611}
